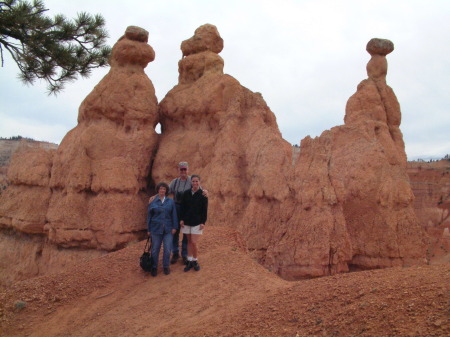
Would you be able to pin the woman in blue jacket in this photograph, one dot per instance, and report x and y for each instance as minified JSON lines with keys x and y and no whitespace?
{"x":162,"y":223}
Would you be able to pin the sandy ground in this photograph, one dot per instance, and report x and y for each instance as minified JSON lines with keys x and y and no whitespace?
{"x":231,"y":295}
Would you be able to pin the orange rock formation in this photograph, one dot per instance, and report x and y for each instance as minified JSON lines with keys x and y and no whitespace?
{"x":344,"y":202}
{"x":24,"y":204}
{"x":99,"y":175}
{"x":430,"y":183}
{"x":92,"y":192}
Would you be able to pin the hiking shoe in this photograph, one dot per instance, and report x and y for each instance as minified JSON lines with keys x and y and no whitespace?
{"x":185,"y":260}
{"x":196,"y":266}
{"x":154,"y":272}
{"x":175,"y":258}
{"x":167,"y":271}
{"x":188,"y":266}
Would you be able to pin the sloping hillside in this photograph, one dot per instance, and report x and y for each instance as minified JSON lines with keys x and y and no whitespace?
{"x":231,"y":296}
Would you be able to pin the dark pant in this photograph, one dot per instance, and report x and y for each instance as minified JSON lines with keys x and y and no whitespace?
{"x":176,"y":238}
{"x":157,"y":240}
{"x":175,"y":245}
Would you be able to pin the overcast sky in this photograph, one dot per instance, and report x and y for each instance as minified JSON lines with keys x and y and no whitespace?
{"x":305,"y":57}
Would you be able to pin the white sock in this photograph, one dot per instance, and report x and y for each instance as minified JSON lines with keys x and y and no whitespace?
{"x":190,"y":258}
{"x":194,"y":259}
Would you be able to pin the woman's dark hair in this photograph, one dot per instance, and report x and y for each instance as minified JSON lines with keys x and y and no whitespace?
{"x":195,"y":176}
{"x":162,"y":184}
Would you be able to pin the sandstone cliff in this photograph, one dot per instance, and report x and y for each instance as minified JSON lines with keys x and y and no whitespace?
{"x":344,"y":202}
{"x":7,"y":149}
{"x":430,"y":183}
{"x":90,"y":193}
{"x":24,"y":204}
{"x":25,"y":251}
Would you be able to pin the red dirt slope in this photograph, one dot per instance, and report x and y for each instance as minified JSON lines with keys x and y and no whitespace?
{"x":231,"y":296}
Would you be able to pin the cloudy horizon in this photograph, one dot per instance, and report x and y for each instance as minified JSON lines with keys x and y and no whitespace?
{"x":306,"y":58}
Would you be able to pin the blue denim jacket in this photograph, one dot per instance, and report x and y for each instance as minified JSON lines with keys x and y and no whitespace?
{"x":162,"y":217}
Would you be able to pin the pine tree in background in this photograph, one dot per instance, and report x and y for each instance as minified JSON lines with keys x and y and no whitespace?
{"x":53,"y":49}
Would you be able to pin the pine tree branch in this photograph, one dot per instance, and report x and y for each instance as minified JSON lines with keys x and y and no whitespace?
{"x":53,"y":49}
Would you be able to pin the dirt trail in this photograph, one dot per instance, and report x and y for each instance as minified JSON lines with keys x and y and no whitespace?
{"x":231,"y":296}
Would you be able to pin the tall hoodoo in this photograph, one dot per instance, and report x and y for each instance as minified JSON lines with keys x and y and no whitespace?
{"x":100,"y":171}
{"x":374,"y":107}
{"x":228,"y":135}
{"x":370,"y":173}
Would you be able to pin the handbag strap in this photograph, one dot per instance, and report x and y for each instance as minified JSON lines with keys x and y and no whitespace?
{"x":149,"y":240}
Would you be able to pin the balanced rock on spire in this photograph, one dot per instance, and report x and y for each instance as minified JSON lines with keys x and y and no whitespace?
{"x":206,"y":38}
{"x":377,"y":66}
{"x":200,"y":55}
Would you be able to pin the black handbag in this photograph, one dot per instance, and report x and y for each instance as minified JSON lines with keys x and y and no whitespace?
{"x":146,"y":260}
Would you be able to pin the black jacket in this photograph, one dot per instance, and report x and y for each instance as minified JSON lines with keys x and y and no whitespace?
{"x":194,"y":208}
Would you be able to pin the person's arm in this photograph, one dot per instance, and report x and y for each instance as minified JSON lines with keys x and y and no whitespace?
{"x":183,"y":209}
{"x":205,"y":209}
{"x":171,"y":192}
{"x":204,"y":212}
{"x":149,"y":219}
{"x":174,"y":218}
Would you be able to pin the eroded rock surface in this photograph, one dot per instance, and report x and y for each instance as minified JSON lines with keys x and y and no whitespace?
{"x":92,"y":192}
{"x":7,"y":149}
{"x":24,"y":204}
{"x":345,"y":203}
{"x":100,"y":171}
{"x":430,"y":183}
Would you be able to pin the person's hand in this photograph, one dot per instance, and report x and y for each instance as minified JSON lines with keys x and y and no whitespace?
{"x":174,"y":231}
{"x":202,"y":225}
{"x":182,"y":223}
{"x":149,"y":233}
{"x":205,"y":193}
{"x":151,"y":198}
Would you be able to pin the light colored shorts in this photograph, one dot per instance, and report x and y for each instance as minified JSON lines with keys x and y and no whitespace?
{"x":191,"y":230}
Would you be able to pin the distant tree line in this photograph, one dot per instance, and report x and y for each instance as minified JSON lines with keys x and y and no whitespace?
{"x":446,"y":157}
{"x":16,"y":138}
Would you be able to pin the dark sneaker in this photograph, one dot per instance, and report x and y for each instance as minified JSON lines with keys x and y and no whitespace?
{"x":188,"y":266}
{"x":196,"y":266}
{"x":167,"y":271}
{"x":185,"y":260}
{"x":175,"y":258}
{"x":154,"y":272}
